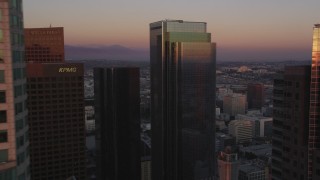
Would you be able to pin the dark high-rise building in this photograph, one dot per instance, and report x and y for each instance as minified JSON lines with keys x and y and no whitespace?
{"x":56,"y":106}
{"x":255,"y":96}
{"x":14,"y":141}
{"x":44,"y":44}
{"x":314,"y":114}
{"x":56,"y":120}
{"x":117,"y":115}
{"x":182,"y":100}
{"x":290,"y":124}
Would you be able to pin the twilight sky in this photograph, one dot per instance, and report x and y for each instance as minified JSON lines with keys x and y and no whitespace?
{"x":243,"y":29}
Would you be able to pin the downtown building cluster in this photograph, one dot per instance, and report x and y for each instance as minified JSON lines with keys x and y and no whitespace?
{"x":42,"y":129}
{"x":42,"y":112}
{"x":42,"y":109}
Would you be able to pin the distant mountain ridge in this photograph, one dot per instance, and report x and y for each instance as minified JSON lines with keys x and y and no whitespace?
{"x":116,"y":52}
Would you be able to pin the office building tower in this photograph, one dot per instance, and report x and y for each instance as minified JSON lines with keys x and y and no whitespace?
{"x":56,"y":120}
{"x":56,"y":96}
{"x":314,"y":114}
{"x":290,"y":124}
{"x":255,"y":96}
{"x":14,"y":137}
{"x":117,"y":114}
{"x":89,"y":119}
{"x":146,"y":168}
{"x":228,"y":165}
{"x":253,"y":171}
{"x":262,"y":125}
{"x":242,"y":130}
{"x":44,"y":44}
{"x":182,"y":100}
{"x":234,"y":104}
{"x":316,"y":164}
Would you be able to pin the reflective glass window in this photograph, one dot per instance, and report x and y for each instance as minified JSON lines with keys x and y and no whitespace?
{"x":2,"y":96}
{"x":2,"y":76}
{"x":1,"y":56}
{"x":3,"y":155}
{"x":3,"y":136}
{"x":3,"y":116}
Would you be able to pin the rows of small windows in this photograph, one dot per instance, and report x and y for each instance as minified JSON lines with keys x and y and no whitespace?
{"x":55,"y":114}
{"x":73,"y":96}
{"x":37,"y":153}
{"x":48,"y":136}
{"x":67,"y":92}
{"x":64,"y":170}
{"x":58,"y":105}
{"x":55,"y":85}
{"x":37,"y":48}
{"x":44,"y":133}
{"x":70,"y":153}
{"x":52,"y":143}
{"x":43,"y":58}
{"x":50,"y":79}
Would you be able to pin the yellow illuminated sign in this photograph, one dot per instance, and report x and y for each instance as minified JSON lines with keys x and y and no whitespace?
{"x":68,"y":70}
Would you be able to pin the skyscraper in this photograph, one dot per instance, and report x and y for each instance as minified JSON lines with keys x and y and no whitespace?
{"x":314,"y":114}
{"x":228,"y":165}
{"x":117,"y":114}
{"x":255,"y":96}
{"x":56,"y":105}
{"x":14,"y":138}
{"x":242,"y":130}
{"x":56,"y":120}
{"x":234,"y":104}
{"x":182,"y":100}
{"x":290,"y":124}
{"x":44,"y":44}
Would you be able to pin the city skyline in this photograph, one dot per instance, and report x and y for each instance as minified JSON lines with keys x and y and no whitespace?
{"x":244,"y":31}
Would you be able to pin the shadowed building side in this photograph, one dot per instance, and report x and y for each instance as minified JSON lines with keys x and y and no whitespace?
{"x":182,"y":100}
{"x":56,"y":120}
{"x":14,"y":141}
{"x":117,"y":115}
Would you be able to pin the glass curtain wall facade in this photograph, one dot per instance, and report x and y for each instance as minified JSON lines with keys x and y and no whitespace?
{"x":14,"y":139}
{"x":290,"y":124}
{"x":182,"y":100}
{"x":314,"y":115}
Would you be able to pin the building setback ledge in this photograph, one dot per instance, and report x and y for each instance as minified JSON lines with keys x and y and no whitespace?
{"x":7,"y":165}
